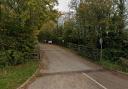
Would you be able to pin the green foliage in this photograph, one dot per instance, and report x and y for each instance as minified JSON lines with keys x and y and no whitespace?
{"x":48,"y":32}
{"x":46,"y":36}
{"x":104,"y":19}
{"x":19,"y":22}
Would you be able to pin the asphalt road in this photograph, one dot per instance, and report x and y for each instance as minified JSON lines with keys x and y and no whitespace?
{"x":63,"y":69}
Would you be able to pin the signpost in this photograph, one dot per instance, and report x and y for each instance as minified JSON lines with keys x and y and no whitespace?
{"x":101,"y":48}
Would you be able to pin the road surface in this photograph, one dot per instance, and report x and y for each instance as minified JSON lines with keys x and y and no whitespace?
{"x":63,"y":69}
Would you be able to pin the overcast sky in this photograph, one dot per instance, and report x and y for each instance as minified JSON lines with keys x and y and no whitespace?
{"x":63,"y":5}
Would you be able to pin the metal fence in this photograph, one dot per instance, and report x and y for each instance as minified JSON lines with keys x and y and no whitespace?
{"x":34,"y":55}
{"x":84,"y":50}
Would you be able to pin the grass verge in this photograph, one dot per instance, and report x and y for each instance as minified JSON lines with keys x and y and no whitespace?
{"x":107,"y":64}
{"x":12,"y":77}
{"x":113,"y":66}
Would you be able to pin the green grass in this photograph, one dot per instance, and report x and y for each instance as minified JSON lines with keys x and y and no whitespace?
{"x":108,"y":64}
{"x":113,"y":66}
{"x":12,"y":77}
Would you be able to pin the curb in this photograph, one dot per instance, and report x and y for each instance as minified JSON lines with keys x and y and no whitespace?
{"x":28,"y":80}
{"x":124,"y":73}
{"x":117,"y":72}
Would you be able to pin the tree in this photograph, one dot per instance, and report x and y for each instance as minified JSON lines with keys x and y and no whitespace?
{"x":47,"y":32}
{"x":19,"y":21}
{"x":104,"y":19}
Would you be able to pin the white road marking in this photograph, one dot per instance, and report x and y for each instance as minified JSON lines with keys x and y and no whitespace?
{"x":94,"y":81}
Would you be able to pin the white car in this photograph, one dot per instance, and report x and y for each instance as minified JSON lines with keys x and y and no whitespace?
{"x":50,"y":42}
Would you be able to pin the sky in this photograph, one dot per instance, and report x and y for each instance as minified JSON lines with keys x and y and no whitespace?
{"x":63,"y":5}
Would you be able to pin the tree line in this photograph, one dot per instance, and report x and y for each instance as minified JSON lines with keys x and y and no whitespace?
{"x":20,"y":22}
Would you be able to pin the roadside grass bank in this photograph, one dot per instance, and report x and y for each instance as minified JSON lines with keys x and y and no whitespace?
{"x":114,"y":66}
{"x":105,"y":63}
{"x":13,"y":76}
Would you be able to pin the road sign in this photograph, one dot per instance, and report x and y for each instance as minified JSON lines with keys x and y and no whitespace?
{"x":101,"y":41}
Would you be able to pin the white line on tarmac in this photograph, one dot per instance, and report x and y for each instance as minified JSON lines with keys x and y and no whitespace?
{"x":94,"y":81}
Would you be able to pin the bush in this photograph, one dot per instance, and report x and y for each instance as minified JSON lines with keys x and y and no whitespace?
{"x":11,"y":57}
{"x":3,"y":59}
